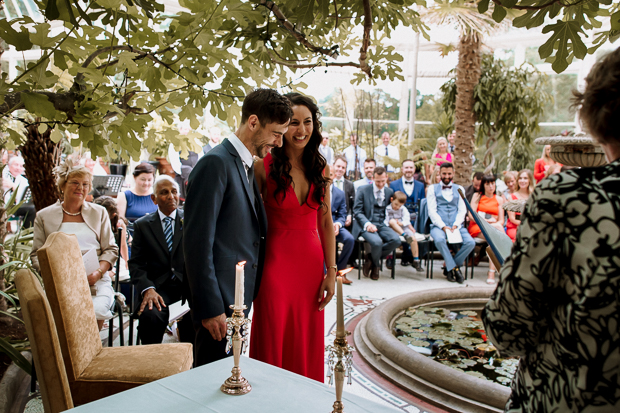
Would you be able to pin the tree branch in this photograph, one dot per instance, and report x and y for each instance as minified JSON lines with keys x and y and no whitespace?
{"x":63,"y":102}
{"x":289,"y":63}
{"x":542,"y":6}
{"x":301,"y":38}
{"x":366,"y":39}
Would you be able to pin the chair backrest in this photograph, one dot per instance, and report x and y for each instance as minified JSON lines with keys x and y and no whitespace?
{"x":66,"y":286}
{"x":44,"y":343}
{"x":423,"y":222}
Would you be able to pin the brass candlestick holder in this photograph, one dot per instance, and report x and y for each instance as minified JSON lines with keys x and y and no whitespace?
{"x":339,"y":365}
{"x":237,"y":331}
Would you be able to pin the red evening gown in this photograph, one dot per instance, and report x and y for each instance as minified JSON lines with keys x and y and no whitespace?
{"x":287,"y":326}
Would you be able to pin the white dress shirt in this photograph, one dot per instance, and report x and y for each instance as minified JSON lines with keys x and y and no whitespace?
{"x":408,"y":187}
{"x":448,"y":195}
{"x":339,"y":183}
{"x":361,"y":182}
{"x":349,"y":153}
{"x":243,"y":151}
{"x":328,"y":153}
{"x":392,"y":152}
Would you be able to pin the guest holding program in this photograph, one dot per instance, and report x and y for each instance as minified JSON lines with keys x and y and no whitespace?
{"x":89,"y":223}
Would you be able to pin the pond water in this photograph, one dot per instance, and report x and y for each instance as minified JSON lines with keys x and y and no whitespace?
{"x":456,"y":339}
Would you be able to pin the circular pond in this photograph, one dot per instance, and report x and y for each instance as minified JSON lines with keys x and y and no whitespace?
{"x":394,"y":335}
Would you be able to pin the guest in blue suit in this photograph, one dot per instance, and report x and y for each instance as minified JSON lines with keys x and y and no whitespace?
{"x":339,"y":215}
{"x":415,"y":192}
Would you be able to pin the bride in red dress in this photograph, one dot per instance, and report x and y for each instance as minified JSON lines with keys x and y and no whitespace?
{"x":288,"y":322}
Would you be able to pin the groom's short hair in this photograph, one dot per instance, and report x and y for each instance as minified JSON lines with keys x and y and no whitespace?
{"x":268,"y":105}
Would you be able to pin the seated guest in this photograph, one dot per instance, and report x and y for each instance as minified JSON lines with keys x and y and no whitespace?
{"x":340,"y":182}
{"x":369,"y":211}
{"x":89,"y":223}
{"x":510,"y":180}
{"x":414,"y":190}
{"x":441,"y":153}
{"x":489,"y":207}
{"x":470,"y":190}
{"x":388,"y":151}
{"x":397,"y":218}
{"x":545,"y":166}
{"x":556,"y":305}
{"x":339,"y":215}
{"x":526,"y":184}
{"x":157,"y":265}
{"x":137,"y":202}
{"x":369,"y":167}
{"x":447,"y":212}
{"x":13,"y":179}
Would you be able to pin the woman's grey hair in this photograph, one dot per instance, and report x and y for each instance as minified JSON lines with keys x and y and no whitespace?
{"x":162,"y":178}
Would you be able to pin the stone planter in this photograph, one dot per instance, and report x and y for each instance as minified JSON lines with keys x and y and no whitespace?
{"x":580,"y":151}
{"x":426,"y":378}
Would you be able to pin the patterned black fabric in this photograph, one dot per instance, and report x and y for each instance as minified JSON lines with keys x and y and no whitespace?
{"x":557,"y":303}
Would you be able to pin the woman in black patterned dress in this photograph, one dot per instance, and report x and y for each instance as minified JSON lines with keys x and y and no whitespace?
{"x":557,"y":304}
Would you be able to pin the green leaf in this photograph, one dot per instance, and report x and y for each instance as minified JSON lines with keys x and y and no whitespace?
{"x":38,"y":104}
{"x":483,"y":6}
{"x":41,"y":36}
{"x":15,"y":355}
{"x":615,"y":21}
{"x":509,"y":3}
{"x":56,"y":135}
{"x":21,"y":39}
{"x":563,"y":33}
{"x":306,"y":13}
{"x":498,"y":13}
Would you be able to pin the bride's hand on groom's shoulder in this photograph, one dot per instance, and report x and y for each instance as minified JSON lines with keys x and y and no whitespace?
{"x":327,"y":290}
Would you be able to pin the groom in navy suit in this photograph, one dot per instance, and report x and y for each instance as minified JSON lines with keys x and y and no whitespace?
{"x":414,"y":191}
{"x":225,"y":221}
{"x":343,"y":236}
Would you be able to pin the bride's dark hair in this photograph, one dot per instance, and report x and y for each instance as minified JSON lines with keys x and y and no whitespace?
{"x":312,"y":160}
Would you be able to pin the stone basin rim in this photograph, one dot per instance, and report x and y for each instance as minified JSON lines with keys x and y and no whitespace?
{"x":379,"y":332}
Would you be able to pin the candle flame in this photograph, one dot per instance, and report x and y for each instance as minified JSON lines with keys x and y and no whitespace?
{"x":343,"y":272}
{"x":241,"y":264}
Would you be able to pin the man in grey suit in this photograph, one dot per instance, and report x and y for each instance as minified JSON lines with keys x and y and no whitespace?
{"x":369,"y":211}
{"x":225,"y":221}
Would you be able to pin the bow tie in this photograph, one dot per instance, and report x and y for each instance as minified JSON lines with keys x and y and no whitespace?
{"x":408,"y":182}
{"x":446,"y":187}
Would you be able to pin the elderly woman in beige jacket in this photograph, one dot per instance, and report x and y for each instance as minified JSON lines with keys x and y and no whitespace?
{"x":89,"y":223}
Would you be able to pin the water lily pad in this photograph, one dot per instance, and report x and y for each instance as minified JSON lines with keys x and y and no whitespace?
{"x":419,"y":343}
{"x":503,"y":380}
{"x":488,"y":367}
{"x":469,"y":313}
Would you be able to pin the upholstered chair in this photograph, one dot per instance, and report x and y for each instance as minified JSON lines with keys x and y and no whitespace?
{"x":93,"y":371}
{"x":44,"y":343}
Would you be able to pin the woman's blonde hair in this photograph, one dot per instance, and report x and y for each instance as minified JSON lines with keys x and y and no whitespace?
{"x":69,"y":169}
{"x":433,"y":179}
{"x":436,"y":151}
{"x":510,"y":175}
{"x":530,"y":177}
{"x":544,"y":155}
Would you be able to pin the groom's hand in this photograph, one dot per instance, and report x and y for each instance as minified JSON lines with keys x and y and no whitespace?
{"x":216,"y":326}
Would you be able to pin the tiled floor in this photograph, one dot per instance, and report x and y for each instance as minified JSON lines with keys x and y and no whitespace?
{"x":362,"y":295}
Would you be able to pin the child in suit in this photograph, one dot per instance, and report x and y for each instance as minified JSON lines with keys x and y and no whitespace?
{"x":397,"y":218}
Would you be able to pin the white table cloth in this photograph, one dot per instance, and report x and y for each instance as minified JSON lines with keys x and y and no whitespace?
{"x":198,"y":390}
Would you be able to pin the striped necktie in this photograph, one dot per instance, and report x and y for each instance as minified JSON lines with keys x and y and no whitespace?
{"x":168,"y":232}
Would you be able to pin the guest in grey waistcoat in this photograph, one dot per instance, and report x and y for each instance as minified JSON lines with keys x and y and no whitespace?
{"x":447,"y":212}
{"x":369,"y":211}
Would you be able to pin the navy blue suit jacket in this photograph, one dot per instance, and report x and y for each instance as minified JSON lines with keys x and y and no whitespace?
{"x":412,"y":200}
{"x":222,"y":227}
{"x":339,"y":206}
